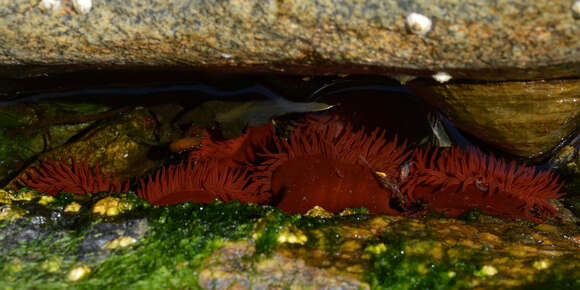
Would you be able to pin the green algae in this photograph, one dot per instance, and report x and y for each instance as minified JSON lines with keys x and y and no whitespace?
{"x":561,"y":276}
{"x":24,"y":267}
{"x":181,"y":238}
{"x":268,"y":229}
{"x":403,"y":262}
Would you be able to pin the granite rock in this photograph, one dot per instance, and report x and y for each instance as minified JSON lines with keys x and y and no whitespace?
{"x":468,"y":39}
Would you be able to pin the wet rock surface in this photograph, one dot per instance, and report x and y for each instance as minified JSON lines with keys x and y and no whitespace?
{"x":521,"y":39}
{"x":100,"y":239}
{"x":220,"y":245}
{"x":231,"y":266}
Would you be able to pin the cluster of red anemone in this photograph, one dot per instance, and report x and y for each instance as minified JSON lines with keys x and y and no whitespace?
{"x":53,"y":177}
{"x":329,"y":163}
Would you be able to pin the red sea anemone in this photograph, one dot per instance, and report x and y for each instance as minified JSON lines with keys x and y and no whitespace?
{"x":53,"y":177}
{"x":201,"y":182}
{"x":218,"y":170}
{"x":236,"y":151}
{"x":457,"y":181}
{"x":331,"y":166}
{"x":326,"y":162}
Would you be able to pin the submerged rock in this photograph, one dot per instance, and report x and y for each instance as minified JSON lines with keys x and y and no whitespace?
{"x":119,"y":146}
{"x":102,"y":238}
{"x":27,"y":130}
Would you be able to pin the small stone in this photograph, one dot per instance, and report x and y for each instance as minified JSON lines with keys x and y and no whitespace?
{"x":350,"y":246}
{"x":294,"y":236}
{"x":78,"y":273}
{"x":378,"y":223}
{"x":418,"y":24}
{"x":185,"y":144}
{"x":542,"y":264}
{"x":488,"y":270}
{"x":73,"y":207}
{"x":319,"y":211}
{"x":121,"y":242}
{"x":521,"y":251}
{"x":110,"y":206}
{"x":376,"y":249}
{"x":46,"y":199}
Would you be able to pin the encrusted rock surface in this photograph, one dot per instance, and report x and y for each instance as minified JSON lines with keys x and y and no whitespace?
{"x":523,"y":39}
{"x":45,"y":243}
{"x":232,"y":267}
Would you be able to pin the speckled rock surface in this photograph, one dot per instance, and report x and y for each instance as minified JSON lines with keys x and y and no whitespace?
{"x":227,"y":269}
{"x":324,"y":35}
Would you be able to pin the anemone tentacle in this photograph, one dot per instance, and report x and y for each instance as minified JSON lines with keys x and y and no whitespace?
{"x":457,"y":180}
{"x":53,"y":177}
{"x":237,"y":151}
{"x":333,"y":166}
{"x":200,"y":182}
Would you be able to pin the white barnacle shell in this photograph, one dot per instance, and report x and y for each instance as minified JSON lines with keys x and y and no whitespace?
{"x":442,"y":77}
{"x":49,"y":5}
{"x":82,"y":6}
{"x":418,"y":23}
{"x":576,"y":9}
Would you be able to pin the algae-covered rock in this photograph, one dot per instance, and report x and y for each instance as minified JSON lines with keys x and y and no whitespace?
{"x":28,"y":130}
{"x":220,"y":245}
{"x":120,"y":146}
{"x":226,"y":269}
